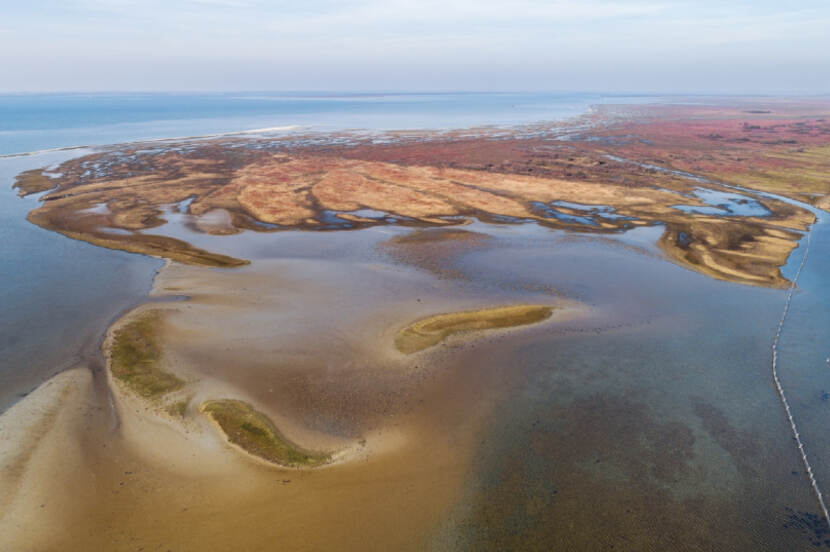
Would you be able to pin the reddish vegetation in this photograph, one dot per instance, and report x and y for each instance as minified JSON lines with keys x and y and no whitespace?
{"x":426,"y":179}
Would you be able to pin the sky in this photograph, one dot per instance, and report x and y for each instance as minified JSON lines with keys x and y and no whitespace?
{"x":732,"y":46}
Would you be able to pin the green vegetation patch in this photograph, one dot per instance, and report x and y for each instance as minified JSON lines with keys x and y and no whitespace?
{"x":177,"y":409}
{"x":135,"y":355}
{"x":432,"y":330}
{"x":254,"y":432}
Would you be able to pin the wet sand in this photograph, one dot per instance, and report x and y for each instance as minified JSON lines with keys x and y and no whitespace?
{"x":308,"y":342}
{"x":639,"y":416}
{"x":439,"y":450}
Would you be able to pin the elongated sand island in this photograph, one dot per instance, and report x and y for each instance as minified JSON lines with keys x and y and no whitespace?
{"x":430,"y":331}
{"x":552,"y":338}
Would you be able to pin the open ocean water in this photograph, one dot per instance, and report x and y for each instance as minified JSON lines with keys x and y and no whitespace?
{"x":32,"y":122}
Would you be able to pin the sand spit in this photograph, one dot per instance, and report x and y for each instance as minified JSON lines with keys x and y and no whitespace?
{"x":164,"y":391}
{"x":433,"y":330}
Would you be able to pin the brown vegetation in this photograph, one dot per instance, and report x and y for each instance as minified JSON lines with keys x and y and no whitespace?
{"x":445,"y":180}
{"x":253,"y":432}
{"x":135,"y":356}
{"x":432,"y":330}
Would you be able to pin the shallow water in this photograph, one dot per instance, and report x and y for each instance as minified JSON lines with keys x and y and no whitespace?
{"x":30,"y":122}
{"x":57,"y":295}
{"x":724,"y":203}
{"x":651,"y":423}
{"x":665,"y":430}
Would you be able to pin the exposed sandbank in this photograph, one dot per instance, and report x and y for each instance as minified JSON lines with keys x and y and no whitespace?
{"x":302,"y":345}
{"x":254,"y":433}
{"x":134,"y":357}
{"x":432,"y":330}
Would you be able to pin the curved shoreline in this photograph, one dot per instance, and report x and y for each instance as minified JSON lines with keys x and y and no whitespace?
{"x":229,"y":461}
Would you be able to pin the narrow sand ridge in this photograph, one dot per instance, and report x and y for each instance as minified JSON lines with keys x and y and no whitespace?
{"x":255,"y":433}
{"x":433,"y":330}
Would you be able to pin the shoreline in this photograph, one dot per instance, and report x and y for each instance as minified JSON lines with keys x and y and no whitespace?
{"x":89,"y":291}
{"x":89,"y":351}
{"x":320,"y":332}
{"x":141,"y":431}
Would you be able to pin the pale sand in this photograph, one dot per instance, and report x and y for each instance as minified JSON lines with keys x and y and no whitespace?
{"x":309,"y":343}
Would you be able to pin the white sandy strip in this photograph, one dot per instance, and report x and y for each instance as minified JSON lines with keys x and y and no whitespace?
{"x":40,"y":459}
{"x":267,"y":130}
{"x":38,"y":152}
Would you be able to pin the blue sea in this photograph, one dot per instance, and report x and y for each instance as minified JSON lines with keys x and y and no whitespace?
{"x":33,"y":122}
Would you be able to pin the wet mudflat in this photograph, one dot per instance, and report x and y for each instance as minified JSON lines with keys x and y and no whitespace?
{"x":634,"y":410}
{"x":647,"y":421}
{"x":654,"y":426}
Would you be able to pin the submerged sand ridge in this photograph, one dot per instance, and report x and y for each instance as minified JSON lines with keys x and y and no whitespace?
{"x":143,"y":361}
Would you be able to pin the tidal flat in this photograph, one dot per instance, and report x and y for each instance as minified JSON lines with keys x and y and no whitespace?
{"x":602,"y":379}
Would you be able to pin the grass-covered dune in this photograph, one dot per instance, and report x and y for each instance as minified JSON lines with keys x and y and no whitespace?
{"x":430,"y":331}
{"x":256,"y":434}
{"x":135,"y":357}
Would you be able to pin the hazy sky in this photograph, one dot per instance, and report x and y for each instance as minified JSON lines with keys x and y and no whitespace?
{"x":604,"y":45}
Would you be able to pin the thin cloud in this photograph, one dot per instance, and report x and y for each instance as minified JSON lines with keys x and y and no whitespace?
{"x":449,"y":43}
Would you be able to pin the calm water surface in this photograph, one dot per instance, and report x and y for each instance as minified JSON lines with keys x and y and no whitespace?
{"x":57,"y":295}
{"x":651,"y":425}
{"x":42,"y":121}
